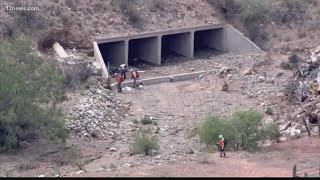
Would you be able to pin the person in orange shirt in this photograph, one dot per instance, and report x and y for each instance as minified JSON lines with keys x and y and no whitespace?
{"x":134,"y":78}
{"x":119,"y":80}
{"x":221,"y":145}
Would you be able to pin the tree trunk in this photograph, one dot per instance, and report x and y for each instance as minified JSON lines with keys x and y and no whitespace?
{"x":305,"y":124}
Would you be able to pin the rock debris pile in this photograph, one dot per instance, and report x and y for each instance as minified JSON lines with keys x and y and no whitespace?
{"x":98,"y":114}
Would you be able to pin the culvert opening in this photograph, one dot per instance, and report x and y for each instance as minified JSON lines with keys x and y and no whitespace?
{"x":142,"y":51}
{"x":113,"y":52}
{"x":175,"y":45}
{"x":208,"y":42}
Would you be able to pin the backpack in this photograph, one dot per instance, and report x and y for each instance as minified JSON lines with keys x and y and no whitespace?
{"x":225,"y":142}
{"x":137,"y":74}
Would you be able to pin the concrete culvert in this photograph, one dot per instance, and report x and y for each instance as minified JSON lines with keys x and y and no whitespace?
{"x":176,"y":44}
{"x":209,"y":40}
{"x":145,"y":49}
{"x":114,"y":52}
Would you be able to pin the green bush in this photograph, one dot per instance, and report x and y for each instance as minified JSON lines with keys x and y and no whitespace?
{"x":254,"y":11}
{"x":144,"y":143}
{"x":212,"y":127}
{"x":269,"y":111}
{"x":146,"y":120}
{"x":242,"y":129}
{"x":29,"y":91}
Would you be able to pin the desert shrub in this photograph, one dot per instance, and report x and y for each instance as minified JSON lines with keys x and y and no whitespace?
{"x":71,"y":4}
{"x":133,"y":13}
{"x":159,"y":4}
{"x":251,"y":13}
{"x":254,"y":11}
{"x":29,"y":91}
{"x":269,"y":111}
{"x":285,"y":65}
{"x":130,"y":8}
{"x":26,"y":22}
{"x":212,"y":127}
{"x":241,"y":129}
{"x":290,"y":11}
{"x":144,"y":143}
{"x":146,"y":120}
{"x":230,"y":8}
{"x":270,"y":131}
{"x":74,"y":158}
{"x":113,"y":166}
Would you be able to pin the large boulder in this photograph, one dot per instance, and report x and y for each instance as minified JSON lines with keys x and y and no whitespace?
{"x":295,"y":133}
{"x":94,"y":69}
{"x":75,"y":70}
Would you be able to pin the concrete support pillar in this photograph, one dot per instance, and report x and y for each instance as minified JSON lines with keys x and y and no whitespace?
{"x":192,"y":44}
{"x":126,"y":51}
{"x":159,"y":50}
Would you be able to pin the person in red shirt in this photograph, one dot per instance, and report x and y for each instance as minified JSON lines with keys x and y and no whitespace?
{"x":119,"y":80}
{"x":221,"y":145}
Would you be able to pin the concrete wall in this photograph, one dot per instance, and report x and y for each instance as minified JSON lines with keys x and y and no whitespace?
{"x":165,"y":79}
{"x":238,"y":43}
{"x":183,"y":41}
{"x":98,"y":57}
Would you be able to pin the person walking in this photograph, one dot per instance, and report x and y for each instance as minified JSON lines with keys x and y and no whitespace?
{"x":119,"y":80}
{"x":221,"y":145}
{"x":134,"y":76}
{"x":123,"y":68}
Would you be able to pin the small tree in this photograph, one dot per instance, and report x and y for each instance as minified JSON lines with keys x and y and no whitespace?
{"x":243,"y":129}
{"x":29,"y":92}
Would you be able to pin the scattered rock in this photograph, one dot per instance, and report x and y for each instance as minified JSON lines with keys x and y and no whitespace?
{"x":200,"y":76}
{"x":128,"y":165}
{"x":247,"y":72}
{"x":153,"y":153}
{"x":190,"y":151}
{"x":268,"y":120}
{"x":42,"y":175}
{"x":92,"y":80}
{"x":229,"y":75}
{"x":261,"y":78}
{"x":127,"y":88}
{"x":295,"y":133}
{"x":96,"y":115}
{"x":315,"y":129}
{"x":286,"y":126}
{"x":283,"y":139}
{"x":224,"y":70}
{"x":112,"y":149}
{"x":80,"y":172}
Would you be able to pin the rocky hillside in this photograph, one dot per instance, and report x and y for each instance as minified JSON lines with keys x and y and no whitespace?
{"x":76,"y":23}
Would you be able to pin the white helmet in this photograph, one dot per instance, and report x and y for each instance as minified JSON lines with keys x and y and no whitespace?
{"x":131,"y":69}
{"x":220,"y":136}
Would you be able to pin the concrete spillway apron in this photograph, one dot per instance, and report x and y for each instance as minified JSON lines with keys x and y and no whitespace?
{"x":165,"y":79}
